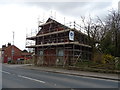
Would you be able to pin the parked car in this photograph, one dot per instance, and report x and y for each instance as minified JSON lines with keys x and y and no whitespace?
{"x":20,"y":60}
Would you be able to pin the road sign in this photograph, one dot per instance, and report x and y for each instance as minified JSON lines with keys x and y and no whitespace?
{"x":71,"y":35}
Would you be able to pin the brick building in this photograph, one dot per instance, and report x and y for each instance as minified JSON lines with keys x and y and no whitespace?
{"x":57,"y":44}
{"x":11,"y":53}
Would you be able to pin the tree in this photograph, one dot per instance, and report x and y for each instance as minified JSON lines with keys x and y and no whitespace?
{"x":24,"y":50}
{"x":104,"y":32}
{"x":112,"y":34}
{"x":93,"y":29}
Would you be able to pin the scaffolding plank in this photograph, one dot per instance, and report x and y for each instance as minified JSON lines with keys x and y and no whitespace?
{"x":55,"y":44}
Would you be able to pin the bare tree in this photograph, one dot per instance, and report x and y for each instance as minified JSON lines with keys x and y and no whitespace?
{"x":87,"y":27}
{"x":93,"y":30}
{"x":113,"y":25}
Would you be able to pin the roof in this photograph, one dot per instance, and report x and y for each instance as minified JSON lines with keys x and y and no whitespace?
{"x":50,"y":20}
{"x":12,"y":46}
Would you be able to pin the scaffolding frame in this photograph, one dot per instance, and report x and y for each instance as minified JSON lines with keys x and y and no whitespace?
{"x":55,"y":39}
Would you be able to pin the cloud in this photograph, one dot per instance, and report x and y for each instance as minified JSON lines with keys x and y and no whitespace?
{"x":73,"y":9}
{"x":19,"y":16}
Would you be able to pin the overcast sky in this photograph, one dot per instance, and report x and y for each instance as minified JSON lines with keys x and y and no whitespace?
{"x":22,"y":16}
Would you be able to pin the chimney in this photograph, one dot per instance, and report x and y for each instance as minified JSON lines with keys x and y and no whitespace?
{"x":9,"y":44}
{"x":3,"y":47}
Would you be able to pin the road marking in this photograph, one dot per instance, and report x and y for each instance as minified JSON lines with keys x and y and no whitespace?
{"x":5,"y":72}
{"x":24,"y":77}
{"x":31,"y":79}
{"x":67,"y":75}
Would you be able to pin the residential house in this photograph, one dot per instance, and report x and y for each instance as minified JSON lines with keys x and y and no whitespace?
{"x":11,"y":53}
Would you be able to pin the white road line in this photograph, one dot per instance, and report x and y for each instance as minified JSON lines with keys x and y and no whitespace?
{"x":67,"y":75}
{"x":24,"y":77}
{"x":31,"y":79}
{"x":5,"y":72}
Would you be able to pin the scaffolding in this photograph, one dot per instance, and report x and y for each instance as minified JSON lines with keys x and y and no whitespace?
{"x":53,"y":46}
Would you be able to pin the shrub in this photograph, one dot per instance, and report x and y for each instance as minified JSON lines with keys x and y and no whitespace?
{"x":29,"y":61}
{"x":104,"y":58}
{"x":98,"y":58}
{"x":108,"y":59}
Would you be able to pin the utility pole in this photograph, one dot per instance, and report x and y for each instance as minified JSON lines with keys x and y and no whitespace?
{"x":13,"y":49}
{"x":119,"y":7}
{"x":64,"y":20}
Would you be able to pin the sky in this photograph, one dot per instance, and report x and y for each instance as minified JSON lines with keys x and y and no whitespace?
{"x":22,"y":16}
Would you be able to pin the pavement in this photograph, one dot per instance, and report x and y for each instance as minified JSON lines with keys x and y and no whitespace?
{"x":73,"y":72}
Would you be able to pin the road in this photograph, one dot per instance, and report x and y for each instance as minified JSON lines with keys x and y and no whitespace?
{"x":17,"y":77}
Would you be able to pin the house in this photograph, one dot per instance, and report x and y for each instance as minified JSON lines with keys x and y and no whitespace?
{"x":57,"y":44}
{"x":11,"y":53}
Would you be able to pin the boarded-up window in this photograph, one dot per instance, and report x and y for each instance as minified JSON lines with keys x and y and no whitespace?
{"x":60,"y":52}
{"x":41,"y":53}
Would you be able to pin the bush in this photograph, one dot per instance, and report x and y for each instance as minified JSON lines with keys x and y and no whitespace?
{"x":28,"y":61}
{"x":85,"y":64}
{"x":108,"y":59}
{"x":98,"y":58}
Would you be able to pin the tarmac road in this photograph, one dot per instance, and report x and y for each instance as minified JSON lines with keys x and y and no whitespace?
{"x":16,"y":77}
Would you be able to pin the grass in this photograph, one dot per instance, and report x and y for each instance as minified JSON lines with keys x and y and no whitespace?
{"x":92,"y":67}
{"x":97,"y":67}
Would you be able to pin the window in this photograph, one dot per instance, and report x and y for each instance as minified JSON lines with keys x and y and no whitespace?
{"x":41,"y":53}
{"x":60,"y":52}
